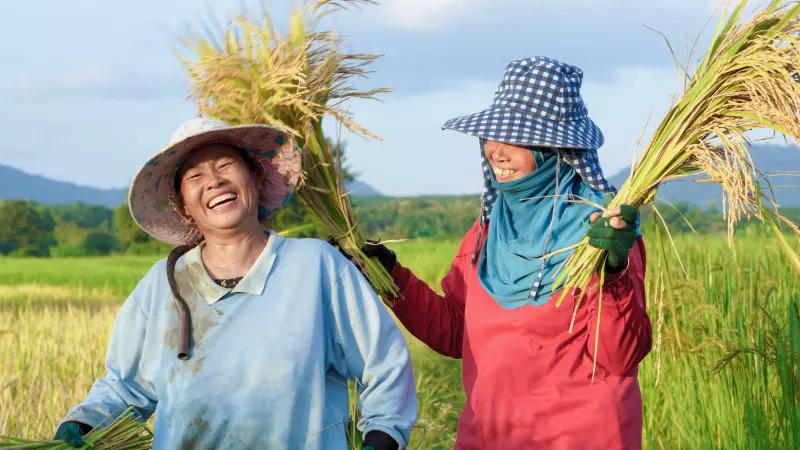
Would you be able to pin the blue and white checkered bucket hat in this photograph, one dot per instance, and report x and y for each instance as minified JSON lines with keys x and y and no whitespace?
{"x":538,"y":104}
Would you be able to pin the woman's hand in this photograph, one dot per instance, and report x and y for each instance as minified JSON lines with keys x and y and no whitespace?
{"x":72,"y":433}
{"x":372,"y":249}
{"x":614,"y":231}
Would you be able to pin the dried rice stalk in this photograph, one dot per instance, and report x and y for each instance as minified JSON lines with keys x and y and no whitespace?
{"x":748,"y":80}
{"x":251,"y":73}
{"x":125,"y":433}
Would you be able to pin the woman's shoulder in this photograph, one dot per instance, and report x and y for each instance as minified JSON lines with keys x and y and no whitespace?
{"x":311,"y":249}
{"x":314,"y":258}
{"x":306,"y":245}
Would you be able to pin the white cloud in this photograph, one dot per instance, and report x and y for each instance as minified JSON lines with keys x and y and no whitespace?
{"x":94,"y":81}
{"x":424,"y":14}
{"x":437,"y":14}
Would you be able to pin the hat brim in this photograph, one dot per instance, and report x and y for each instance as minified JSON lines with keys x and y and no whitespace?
{"x":149,"y":198}
{"x":513,"y":127}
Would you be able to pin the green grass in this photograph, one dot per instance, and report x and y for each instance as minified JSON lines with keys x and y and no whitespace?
{"x":117,"y":274}
{"x":728,"y":377}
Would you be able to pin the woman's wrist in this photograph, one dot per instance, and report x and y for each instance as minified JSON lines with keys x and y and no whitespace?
{"x":614,"y":270}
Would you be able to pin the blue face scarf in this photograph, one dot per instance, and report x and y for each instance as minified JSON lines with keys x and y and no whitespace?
{"x":534,"y":216}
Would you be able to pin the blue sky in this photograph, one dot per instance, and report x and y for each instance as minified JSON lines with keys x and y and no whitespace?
{"x":91,"y":88}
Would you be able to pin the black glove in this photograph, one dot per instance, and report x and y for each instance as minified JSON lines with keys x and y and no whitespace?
{"x":387,"y":257}
{"x":72,"y":433}
{"x":378,"y":440}
{"x":372,"y":249}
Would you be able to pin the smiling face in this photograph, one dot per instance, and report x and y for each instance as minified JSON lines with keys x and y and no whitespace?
{"x":217,"y":190}
{"x":509,"y":162}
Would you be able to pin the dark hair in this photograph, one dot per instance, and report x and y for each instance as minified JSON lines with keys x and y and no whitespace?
{"x":184,"y":316}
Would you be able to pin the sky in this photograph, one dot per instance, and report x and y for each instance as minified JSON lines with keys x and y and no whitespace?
{"x":92,"y":89}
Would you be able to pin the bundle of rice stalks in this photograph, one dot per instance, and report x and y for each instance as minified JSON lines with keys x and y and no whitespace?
{"x":125,"y":433}
{"x":748,"y":80}
{"x":252,"y":73}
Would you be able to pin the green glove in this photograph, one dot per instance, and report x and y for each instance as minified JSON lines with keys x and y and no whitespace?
{"x":617,"y":243}
{"x":72,"y":433}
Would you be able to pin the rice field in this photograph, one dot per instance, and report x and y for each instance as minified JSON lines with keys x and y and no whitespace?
{"x":728,"y":362}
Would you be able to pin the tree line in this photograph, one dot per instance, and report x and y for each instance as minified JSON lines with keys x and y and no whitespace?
{"x":31,"y":229}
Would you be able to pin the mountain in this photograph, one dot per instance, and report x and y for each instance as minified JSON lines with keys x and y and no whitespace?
{"x":359,"y":189}
{"x":18,"y":185}
{"x":767,"y":158}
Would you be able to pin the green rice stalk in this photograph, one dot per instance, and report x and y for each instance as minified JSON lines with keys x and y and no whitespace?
{"x":251,"y":73}
{"x":354,"y":439}
{"x":748,"y":80}
{"x":660,"y":323}
{"x":124,"y":433}
{"x":664,"y":267}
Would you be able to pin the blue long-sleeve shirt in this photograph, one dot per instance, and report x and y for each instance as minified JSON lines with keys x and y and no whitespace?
{"x":269,"y":360}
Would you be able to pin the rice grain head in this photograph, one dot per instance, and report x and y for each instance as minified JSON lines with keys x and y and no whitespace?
{"x":252,"y":73}
{"x":748,"y":80}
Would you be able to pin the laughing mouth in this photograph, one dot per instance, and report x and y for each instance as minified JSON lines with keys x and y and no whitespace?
{"x":221,"y":200}
{"x":502,"y":173}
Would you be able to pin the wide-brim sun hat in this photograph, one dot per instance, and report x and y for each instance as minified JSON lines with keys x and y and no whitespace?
{"x":539,"y":104}
{"x":152,"y":193}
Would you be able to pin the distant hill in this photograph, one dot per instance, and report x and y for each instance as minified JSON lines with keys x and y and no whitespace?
{"x":359,"y":189}
{"x":767,"y":158}
{"x":18,"y":185}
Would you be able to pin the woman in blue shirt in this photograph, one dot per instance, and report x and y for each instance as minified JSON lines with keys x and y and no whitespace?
{"x":242,"y":338}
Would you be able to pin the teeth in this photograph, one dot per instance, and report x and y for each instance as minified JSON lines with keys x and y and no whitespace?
{"x":221,"y":198}
{"x":502,"y":172}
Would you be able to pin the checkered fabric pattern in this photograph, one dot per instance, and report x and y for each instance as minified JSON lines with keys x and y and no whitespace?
{"x":587,"y":164}
{"x":538,"y":103}
{"x":537,"y":283}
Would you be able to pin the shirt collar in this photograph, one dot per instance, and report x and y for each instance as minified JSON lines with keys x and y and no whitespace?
{"x":253,"y":282}
{"x":255,"y":279}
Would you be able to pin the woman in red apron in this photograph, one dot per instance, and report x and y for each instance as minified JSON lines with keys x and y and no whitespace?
{"x":530,"y":383}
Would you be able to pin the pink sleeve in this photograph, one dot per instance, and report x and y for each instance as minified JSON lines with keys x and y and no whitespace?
{"x":437,"y":320}
{"x":625,"y":330}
